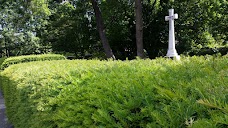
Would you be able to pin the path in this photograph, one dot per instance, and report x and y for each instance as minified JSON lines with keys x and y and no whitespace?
{"x":3,"y":118}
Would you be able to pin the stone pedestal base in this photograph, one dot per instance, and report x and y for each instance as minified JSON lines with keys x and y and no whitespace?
{"x":172,"y":53}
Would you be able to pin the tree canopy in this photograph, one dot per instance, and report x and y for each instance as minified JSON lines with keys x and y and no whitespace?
{"x":70,"y":27}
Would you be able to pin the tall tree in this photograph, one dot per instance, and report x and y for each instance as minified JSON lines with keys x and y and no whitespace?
{"x":101,"y":30}
{"x":19,"y":22}
{"x":139,"y":28}
{"x":72,"y":29}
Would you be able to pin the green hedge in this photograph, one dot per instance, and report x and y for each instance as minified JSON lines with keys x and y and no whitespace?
{"x":29,"y":58}
{"x":2,"y":60}
{"x":192,"y":92}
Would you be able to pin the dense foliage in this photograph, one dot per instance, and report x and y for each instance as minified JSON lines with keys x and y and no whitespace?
{"x":201,"y":24}
{"x":71,"y":27}
{"x":19,"y":23}
{"x":23,"y":59}
{"x":140,"y":93}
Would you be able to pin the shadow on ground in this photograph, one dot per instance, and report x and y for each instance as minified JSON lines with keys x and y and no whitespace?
{"x":3,"y":119}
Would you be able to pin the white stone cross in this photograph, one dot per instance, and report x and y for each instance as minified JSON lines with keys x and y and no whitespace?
{"x":172,"y":53}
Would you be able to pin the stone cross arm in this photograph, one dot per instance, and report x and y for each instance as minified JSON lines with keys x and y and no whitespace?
{"x":172,"y":17}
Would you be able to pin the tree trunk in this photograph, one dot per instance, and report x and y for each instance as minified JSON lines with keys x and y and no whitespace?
{"x":7,"y":50}
{"x":101,"y":30}
{"x":139,"y":28}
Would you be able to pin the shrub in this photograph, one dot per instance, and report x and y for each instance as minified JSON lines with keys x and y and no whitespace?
{"x":2,"y":60}
{"x":209,"y":51}
{"x":140,"y":93}
{"x":29,"y":58}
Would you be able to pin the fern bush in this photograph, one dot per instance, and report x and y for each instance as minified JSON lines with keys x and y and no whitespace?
{"x":29,"y":58}
{"x":192,"y":92}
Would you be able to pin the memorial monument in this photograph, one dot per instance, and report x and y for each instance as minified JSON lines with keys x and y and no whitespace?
{"x":172,"y":52}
